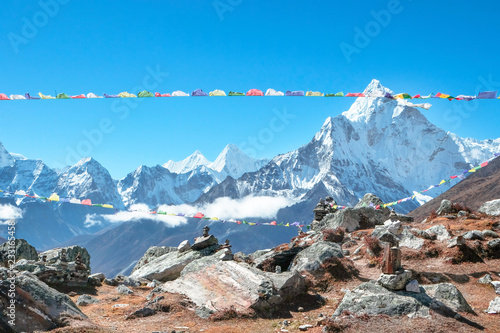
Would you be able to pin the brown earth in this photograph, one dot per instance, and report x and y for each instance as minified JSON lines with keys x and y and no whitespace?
{"x":431,"y":265}
{"x":473,"y":191}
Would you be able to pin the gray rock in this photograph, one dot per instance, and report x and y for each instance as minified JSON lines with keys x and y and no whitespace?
{"x":409,"y":240}
{"x":461,"y":213}
{"x":494,"y":244}
{"x":486,"y":279}
{"x":23,"y":250}
{"x":373,"y":299}
{"x":457,"y":241}
{"x":184,"y":246}
{"x":440,"y":231}
{"x":369,"y":198}
{"x":226,"y":254}
{"x":26,"y":265}
{"x":490,"y":233}
{"x":444,"y":208}
{"x":215,"y":285}
{"x":71,"y":252}
{"x":355,"y":218}
{"x":38,"y":306}
{"x":474,"y":234}
{"x":305,"y":327}
{"x":491,"y":207}
{"x":111,"y":282}
{"x":315,"y":255}
{"x":98,"y":276}
{"x":85,"y":300}
{"x":204,"y":242}
{"x":395,"y":281}
{"x":124,"y":290}
{"x":413,"y":286}
{"x":496,"y":285}
{"x":394,"y":227}
{"x":152,"y":253}
{"x":131,"y":282}
{"x":166,"y":267}
{"x":287,"y":284}
{"x":143,"y":312}
{"x":449,"y":295}
{"x":281,"y":258}
{"x":494,"y":306}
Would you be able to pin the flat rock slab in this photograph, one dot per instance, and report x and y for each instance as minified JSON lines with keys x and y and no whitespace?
{"x":315,"y":255}
{"x":219,"y":285}
{"x":166,"y":267}
{"x":373,"y":299}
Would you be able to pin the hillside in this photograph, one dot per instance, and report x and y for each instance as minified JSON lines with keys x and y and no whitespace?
{"x":479,"y":187}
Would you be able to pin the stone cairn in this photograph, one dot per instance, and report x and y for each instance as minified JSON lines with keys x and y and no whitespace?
{"x":206,"y":242}
{"x":393,"y":276}
{"x":324,"y":207}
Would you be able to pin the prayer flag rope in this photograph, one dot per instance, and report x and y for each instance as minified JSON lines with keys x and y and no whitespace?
{"x":87,"y":202}
{"x":252,"y":92}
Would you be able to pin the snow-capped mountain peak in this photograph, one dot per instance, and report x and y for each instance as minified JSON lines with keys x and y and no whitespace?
{"x":188,"y":164}
{"x":233,"y":162}
{"x":376,"y":89}
{"x":6,"y":159}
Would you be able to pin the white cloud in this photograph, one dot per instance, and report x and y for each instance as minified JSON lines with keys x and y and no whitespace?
{"x":9,"y":212}
{"x":223,"y":208}
{"x":249,"y":206}
{"x":141,"y":212}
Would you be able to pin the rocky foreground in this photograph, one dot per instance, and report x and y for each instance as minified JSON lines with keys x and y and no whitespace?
{"x":358,"y":269}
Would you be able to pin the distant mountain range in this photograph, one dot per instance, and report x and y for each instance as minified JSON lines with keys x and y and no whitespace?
{"x":472,"y":192}
{"x":379,"y":145}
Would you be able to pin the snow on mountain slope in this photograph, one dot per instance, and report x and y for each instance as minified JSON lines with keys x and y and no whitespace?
{"x":6,"y":159}
{"x":233,"y":162}
{"x":88,"y":179}
{"x":379,"y":145}
{"x":155,"y":186}
{"x":188,"y":164}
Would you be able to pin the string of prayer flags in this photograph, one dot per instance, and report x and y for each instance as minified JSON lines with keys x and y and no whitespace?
{"x":255,"y":92}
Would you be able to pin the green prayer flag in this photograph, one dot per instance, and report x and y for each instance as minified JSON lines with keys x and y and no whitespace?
{"x":233,"y":93}
{"x":62,"y":96}
{"x":145,"y":93}
{"x":339,"y":94}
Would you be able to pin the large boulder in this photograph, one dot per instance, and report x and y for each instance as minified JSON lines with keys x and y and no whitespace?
{"x":494,"y":306}
{"x":448,"y":294}
{"x":152,"y":253}
{"x":23,"y":250}
{"x":395,"y":281}
{"x":315,"y":255}
{"x":362,"y":216}
{"x":166,"y":267}
{"x":491,"y":207}
{"x":215,"y":285}
{"x":373,"y":299}
{"x":71,"y":252}
{"x":276,"y":257}
{"x":445,"y":208}
{"x":38,"y":307}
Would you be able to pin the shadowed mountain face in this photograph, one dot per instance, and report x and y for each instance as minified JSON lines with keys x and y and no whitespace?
{"x":479,"y":187}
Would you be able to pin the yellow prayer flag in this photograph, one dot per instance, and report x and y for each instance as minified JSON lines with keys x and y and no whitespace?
{"x":107,"y":206}
{"x":54,"y":197}
{"x":472,"y":170}
{"x":287,"y":225}
{"x":442,"y":182}
{"x":251,"y":223}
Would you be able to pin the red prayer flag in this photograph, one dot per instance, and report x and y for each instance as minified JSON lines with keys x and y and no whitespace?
{"x":355,"y":95}
{"x":453,"y":177}
{"x":79,"y":96}
{"x":273,"y":223}
{"x":377,"y":207}
{"x":484,"y":164}
{"x":417,"y":96}
{"x":4,"y":97}
{"x":198,"y":216}
{"x":255,"y":92}
{"x":86,"y":202}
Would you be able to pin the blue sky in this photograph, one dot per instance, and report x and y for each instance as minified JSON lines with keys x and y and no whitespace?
{"x":113,"y":46}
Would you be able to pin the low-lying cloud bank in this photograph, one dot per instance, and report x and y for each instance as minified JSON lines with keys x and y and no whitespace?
{"x":9,"y":212}
{"x":222,"y":208}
